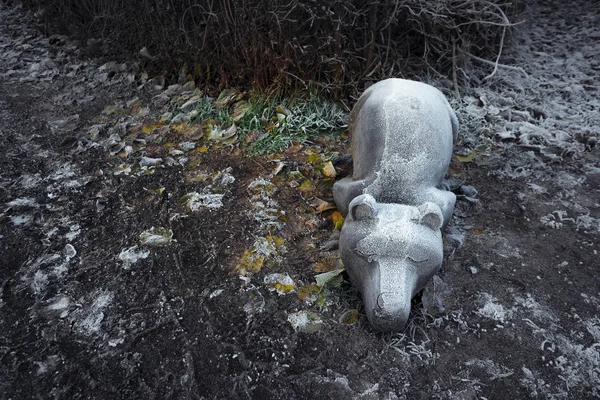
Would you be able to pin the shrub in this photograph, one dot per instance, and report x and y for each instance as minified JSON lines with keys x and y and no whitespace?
{"x":287,"y":45}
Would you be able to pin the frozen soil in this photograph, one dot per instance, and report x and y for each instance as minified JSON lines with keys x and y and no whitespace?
{"x":139,"y":260}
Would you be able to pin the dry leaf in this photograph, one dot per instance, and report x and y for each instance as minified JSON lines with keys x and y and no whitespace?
{"x":337,"y":219}
{"x":329,"y":170}
{"x":322,"y":205}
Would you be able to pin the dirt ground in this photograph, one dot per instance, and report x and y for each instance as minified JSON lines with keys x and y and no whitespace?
{"x":140,"y":261}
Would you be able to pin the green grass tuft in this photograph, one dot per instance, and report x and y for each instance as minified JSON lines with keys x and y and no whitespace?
{"x":272,"y":124}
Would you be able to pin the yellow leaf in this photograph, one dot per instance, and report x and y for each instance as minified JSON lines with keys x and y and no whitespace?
{"x":471,"y":156}
{"x":250,"y":263}
{"x":282,"y":283}
{"x":151,"y":127}
{"x":337,"y":219}
{"x":276,"y":240}
{"x":322,"y":205}
{"x":328,"y":170}
{"x":327,"y":264}
{"x":312,"y":157}
{"x":283,"y":110}
{"x":308,"y":293}
{"x":306,"y":186}
{"x":187,"y":129}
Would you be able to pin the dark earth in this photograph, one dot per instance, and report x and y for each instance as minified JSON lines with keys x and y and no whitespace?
{"x":87,"y":171}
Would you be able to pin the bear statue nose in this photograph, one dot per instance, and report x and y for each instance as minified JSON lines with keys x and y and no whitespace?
{"x":391,"y":313}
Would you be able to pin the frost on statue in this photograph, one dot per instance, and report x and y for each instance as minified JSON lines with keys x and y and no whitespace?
{"x":391,"y":244}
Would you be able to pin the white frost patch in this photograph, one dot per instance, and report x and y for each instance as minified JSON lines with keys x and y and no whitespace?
{"x":281,"y":283}
{"x":132,"y":255}
{"x":30,"y":181}
{"x":122,"y":169}
{"x":496,"y":371}
{"x":60,"y":304}
{"x":305,"y":321}
{"x":95,"y":314}
{"x":490,"y":308}
{"x":40,"y":281}
{"x":224,"y":178}
{"x":593,"y":327}
{"x":499,"y":245}
{"x":156,"y":236}
{"x":23,"y":202}
{"x":149,"y":162}
{"x":195,"y":201}
{"x":556,"y":220}
{"x":187,"y":145}
{"x":537,"y":189}
{"x":263,"y":207}
{"x":69,"y":251}
{"x":540,"y":312}
{"x":65,"y":171}
{"x":74,"y":231}
{"x":60,"y":270}
{"x":116,"y":342}
{"x":20,"y":220}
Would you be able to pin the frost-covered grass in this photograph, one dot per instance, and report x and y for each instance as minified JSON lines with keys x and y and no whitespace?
{"x":266,"y":124}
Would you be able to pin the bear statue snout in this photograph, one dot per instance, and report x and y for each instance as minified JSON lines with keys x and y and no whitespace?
{"x":388,"y":300}
{"x":391,"y":293}
{"x":391,"y":312}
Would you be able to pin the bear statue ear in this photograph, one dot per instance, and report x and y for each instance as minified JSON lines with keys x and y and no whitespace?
{"x":362,"y":207}
{"x":431,"y":216}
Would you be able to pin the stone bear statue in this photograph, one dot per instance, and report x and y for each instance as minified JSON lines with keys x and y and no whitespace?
{"x":391,"y":244}
{"x":402,"y":134}
{"x":390,"y":251}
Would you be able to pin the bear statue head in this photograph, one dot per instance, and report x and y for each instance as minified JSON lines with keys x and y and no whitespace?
{"x":390,"y":252}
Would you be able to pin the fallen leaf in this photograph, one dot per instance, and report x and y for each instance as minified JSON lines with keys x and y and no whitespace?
{"x":349,"y":317}
{"x":331,"y":278}
{"x":194,"y":201}
{"x":283,"y":110}
{"x":313,"y":157}
{"x":308,"y":293}
{"x":156,"y":236}
{"x":250,"y":263}
{"x":152,"y":127}
{"x":276,"y":240}
{"x":434,"y":296}
{"x":132,"y":255}
{"x":122,"y":169}
{"x":227,"y":97}
{"x":239,"y":110}
{"x":327,"y":264}
{"x":305,"y":321}
{"x":322,"y":205}
{"x":281,"y":283}
{"x":306,"y":186}
{"x":186,"y":129}
{"x":338,"y":220}
{"x":471,"y":156}
{"x":329,"y":170}
{"x":217,"y":134}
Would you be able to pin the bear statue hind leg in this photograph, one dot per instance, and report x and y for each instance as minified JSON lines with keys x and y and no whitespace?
{"x":445,"y":200}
